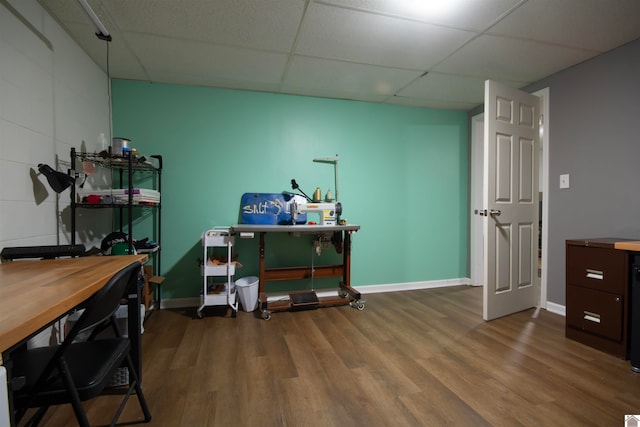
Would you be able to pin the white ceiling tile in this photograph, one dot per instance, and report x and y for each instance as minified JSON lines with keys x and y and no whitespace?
{"x":464,"y":14}
{"x":350,"y":35}
{"x":265,"y":24}
{"x":171,"y":77}
{"x":330,"y":93}
{"x":122,"y":62}
{"x":598,"y":25}
{"x":503,"y":58}
{"x":430,"y":103}
{"x":67,"y":10}
{"x":448,"y":87}
{"x":357,"y":81}
{"x":445,"y":87}
{"x":208,"y":63}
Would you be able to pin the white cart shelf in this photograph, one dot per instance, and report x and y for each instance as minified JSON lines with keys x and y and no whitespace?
{"x":218,"y":286}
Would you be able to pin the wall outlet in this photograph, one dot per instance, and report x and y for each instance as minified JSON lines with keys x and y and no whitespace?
{"x":564,"y":181}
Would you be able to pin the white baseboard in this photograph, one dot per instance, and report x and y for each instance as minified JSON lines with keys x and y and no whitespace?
{"x":370,"y":289}
{"x":412,"y":286}
{"x":556,"y":308}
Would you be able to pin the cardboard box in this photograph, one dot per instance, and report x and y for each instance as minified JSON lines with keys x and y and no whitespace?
{"x":150,"y":283}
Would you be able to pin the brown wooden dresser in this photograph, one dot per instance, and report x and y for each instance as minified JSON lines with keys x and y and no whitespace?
{"x":598,"y":294}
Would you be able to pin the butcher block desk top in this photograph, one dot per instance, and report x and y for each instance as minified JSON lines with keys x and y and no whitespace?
{"x":631,"y":245}
{"x":33,"y":294}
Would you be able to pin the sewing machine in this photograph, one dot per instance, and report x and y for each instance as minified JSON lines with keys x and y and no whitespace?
{"x":329,"y":213}
{"x":328,"y":210}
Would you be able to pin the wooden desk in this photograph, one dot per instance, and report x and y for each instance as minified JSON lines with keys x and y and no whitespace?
{"x":34,"y":294}
{"x":346,"y":294}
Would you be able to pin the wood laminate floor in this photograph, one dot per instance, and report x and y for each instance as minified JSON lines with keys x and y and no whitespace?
{"x":413,"y":358}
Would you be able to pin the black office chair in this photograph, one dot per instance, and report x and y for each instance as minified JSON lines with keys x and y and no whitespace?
{"x":74,"y":372}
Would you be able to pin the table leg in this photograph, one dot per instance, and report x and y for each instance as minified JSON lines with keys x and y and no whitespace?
{"x":261,"y":275}
{"x":133,"y":326}
{"x":345,"y":285}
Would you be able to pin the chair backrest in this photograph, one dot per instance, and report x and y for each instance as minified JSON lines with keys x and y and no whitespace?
{"x":46,"y":252}
{"x":104,"y":303}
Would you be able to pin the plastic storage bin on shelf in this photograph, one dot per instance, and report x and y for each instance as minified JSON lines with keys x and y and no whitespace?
{"x":218,"y":269}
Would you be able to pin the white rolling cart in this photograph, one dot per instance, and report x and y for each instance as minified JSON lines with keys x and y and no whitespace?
{"x":217,"y":270}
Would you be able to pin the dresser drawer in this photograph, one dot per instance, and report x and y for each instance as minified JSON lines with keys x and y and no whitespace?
{"x":594,"y":311}
{"x":597,"y":268}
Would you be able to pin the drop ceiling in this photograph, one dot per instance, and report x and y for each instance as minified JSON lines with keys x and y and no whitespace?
{"x":384,"y":51}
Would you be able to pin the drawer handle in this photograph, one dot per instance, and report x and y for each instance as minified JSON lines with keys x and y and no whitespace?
{"x":593,"y":317}
{"x":595,"y":274}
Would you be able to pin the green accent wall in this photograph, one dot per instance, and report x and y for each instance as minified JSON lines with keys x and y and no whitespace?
{"x":403,"y":177}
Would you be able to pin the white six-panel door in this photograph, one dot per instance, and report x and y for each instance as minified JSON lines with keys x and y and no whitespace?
{"x":510,"y":200}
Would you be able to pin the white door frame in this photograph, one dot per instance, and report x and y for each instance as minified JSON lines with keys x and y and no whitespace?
{"x":545,"y":140}
{"x":477,"y":174}
{"x":476,"y":232}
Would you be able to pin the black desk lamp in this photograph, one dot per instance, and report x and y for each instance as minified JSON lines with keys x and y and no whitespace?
{"x":57,"y":180}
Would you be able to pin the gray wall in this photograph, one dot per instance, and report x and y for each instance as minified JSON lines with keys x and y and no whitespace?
{"x":593,"y":130}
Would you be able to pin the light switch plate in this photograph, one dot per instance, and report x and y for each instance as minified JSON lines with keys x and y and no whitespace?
{"x":564,"y":181}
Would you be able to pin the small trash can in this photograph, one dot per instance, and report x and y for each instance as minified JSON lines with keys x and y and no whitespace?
{"x":247,"y":289}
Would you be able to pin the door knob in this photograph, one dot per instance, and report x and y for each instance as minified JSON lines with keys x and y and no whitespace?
{"x":495,"y":212}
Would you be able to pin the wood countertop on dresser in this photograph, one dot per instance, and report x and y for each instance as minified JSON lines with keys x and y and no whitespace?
{"x":628,"y":245}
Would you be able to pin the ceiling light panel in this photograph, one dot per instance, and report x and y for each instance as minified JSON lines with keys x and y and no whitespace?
{"x":346,"y":34}
{"x":473,"y":15}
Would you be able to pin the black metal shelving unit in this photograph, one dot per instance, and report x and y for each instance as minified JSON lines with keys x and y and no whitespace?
{"x":125,"y":166}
